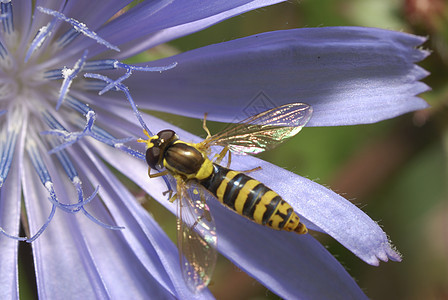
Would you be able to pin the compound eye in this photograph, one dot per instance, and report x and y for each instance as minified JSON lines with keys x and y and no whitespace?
{"x":155,"y":153}
{"x":167,"y":135}
{"x":153,"y":157}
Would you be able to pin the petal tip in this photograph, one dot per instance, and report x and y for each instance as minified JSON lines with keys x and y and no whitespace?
{"x":385,"y":253}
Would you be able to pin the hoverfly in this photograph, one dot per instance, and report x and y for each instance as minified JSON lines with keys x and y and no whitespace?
{"x":194,"y":172}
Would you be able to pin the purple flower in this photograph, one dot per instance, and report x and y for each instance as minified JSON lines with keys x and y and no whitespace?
{"x":90,"y":237}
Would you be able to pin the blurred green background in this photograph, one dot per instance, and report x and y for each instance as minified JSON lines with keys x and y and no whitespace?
{"x":394,"y":170}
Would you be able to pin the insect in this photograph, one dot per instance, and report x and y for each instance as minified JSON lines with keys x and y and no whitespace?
{"x":194,"y":172}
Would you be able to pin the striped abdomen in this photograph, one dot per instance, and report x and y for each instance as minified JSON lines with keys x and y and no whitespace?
{"x":252,"y":199}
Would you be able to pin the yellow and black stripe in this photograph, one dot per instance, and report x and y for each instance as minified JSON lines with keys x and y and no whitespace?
{"x":252,"y":199}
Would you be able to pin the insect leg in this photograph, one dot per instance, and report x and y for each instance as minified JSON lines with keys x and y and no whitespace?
{"x":173,"y":198}
{"x":157,"y":174}
{"x":180,"y":187}
{"x":205,"y":126}
{"x":251,"y":170}
{"x":220,"y":156}
{"x":162,"y":174}
{"x":230,"y":159}
{"x":170,"y":192}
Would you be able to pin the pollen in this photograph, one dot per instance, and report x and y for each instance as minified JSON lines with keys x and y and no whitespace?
{"x":66,"y":72}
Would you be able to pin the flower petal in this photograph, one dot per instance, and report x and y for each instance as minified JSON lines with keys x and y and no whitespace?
{"x":38,"y":19}
{"x":91,"y":254}
{"x":22,"y":11}
{"x":325,"y":210}
{"x":91,"y":13}
{"x":94,"y":13}
{"x":64,"y":252}
{"x":10,"y":200}
{"x":349,"y":75}
{"x":292,"y":266}
{"x":155,"y":22}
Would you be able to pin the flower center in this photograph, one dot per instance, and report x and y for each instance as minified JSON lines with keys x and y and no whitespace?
{"x":17,"y":76}
{"x":37,"y":99}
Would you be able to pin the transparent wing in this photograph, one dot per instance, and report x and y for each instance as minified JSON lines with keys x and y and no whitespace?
{"x":263,"y":131}
{"x":196,"y":237}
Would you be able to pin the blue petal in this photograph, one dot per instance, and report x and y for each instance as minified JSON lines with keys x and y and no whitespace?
{"x":55,"y":245}
{"x":292,"y":266}
{"x":96,"y":254}
{"x":39,"y":19}
{"x":349,"y":75}
{"x":325,"y":211}
{"x":11,"y":163}
{"x":94,"y":13}
{"x":10,"y":200}
{"x":22,"y":17}
{"x":155,"y":22}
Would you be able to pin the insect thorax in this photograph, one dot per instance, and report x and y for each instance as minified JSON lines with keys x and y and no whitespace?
{"x":184,"y":159}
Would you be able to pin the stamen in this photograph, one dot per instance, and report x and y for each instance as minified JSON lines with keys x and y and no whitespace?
{"x":7,"y":19}
{"x":92,"y":85}
{"x":52,"y":122}
{"x":69,"y":137}
{"x":130,"y":151}
{"x":3,"y":51}
{"x":125,"y":90}
{"x":71,"y":172}
{"x":115,"y":83}
{"x":40,"y":168}
{"x":42,"y":229}
{"x":22,"y":239}
{"x":7,"y":147}
{"x":44,"y":175}
{"x":55,"y":74}
{"x":39,"y":39}
{"x":6,"y":62}
{"x":108,"y":139}
{"x":97,"y":65}
{"x":89,"y":130}
{"x":69,"y":75}
{"x":101,"y":65}
{"x":78,"y":187}
{"x":78,"y":26}
{"x":67,"y":37}
{"x":77,"y":105}
{"x":111,"y":64}
{"x":45,"y":178}
{"x":69,"y":208}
